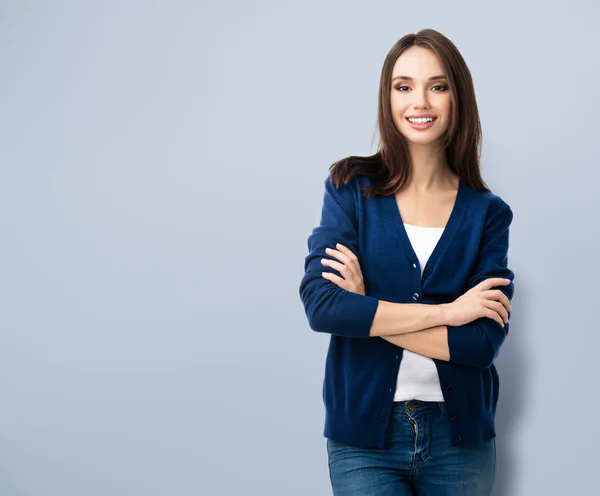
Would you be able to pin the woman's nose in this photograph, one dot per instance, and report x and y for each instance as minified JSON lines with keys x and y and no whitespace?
{"x":421,"y":98}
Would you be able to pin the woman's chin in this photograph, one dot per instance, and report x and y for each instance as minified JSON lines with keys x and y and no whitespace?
{"x":422,"y":140}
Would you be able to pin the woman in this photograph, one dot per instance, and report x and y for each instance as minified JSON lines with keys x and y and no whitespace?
{"x":407,"y":272}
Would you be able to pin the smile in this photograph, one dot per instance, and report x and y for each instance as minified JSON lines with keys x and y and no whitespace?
{"x":421,"y":123}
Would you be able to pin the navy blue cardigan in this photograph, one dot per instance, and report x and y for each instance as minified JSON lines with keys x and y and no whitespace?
{"x":361,"y":371}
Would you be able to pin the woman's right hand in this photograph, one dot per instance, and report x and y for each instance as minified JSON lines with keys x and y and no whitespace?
{"x":479,"y":301}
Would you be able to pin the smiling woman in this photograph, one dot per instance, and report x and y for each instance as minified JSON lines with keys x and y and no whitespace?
{"x":408,"y":273}
{"x":410,"y":94}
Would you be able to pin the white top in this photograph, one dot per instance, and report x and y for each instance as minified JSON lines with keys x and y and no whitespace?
{"x":418,"y":377}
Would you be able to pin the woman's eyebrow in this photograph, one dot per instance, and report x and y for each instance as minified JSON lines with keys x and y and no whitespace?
{"x":408,"y":78}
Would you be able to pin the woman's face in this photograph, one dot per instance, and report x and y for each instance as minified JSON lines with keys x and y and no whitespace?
{"x":415,"y":93}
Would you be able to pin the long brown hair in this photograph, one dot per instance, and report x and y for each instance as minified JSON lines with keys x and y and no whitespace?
{"x":389,"y":168}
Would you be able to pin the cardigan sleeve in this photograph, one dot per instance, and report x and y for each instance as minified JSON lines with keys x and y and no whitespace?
{"x":329,"y":308}
{"x":477,"y":343}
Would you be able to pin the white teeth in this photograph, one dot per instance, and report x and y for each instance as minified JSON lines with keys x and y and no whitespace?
{"x":421,"y":120}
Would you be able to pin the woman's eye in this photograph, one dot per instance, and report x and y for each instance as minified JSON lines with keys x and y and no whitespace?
{"x":442,"y":86}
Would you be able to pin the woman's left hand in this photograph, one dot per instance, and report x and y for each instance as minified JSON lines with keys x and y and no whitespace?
{"x":349,"y":268}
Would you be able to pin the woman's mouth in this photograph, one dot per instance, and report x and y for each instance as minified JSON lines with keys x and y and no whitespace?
{"x":421,"y":123}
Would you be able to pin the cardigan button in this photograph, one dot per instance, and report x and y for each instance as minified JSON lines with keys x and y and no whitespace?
{"x":448,"y":387}
{"x":415,"y":296}
{"x":454,"y":419}
{"x":458,"y":439}
{"x":429,"y":271}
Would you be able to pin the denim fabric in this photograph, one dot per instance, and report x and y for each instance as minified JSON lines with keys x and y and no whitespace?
{"x":418,"y":459}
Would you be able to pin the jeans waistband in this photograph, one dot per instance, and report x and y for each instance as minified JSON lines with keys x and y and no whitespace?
{"x":417,"y":406}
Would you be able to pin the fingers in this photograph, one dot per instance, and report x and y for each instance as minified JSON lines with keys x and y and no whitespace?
{"x":345,"y":268}
{"x":496,"y":294}
{"x":335,"y":279}
{"x":347,"y":251}
{"x":346,"y":256}
{"x":341,"y":268}
{"x":494,"y":315}
{"x":503,"y":299}
{"x":493,"y":281}
{"x":348,"y":267}
{"x":499,"y":309}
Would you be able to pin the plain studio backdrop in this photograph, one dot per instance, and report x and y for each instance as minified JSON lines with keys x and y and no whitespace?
{"x":162,"y":167}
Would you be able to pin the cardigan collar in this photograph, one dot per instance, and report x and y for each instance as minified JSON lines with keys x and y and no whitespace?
{"x":449,"y":231}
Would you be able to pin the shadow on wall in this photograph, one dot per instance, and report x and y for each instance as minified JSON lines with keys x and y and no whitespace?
{"x":513,"y":370}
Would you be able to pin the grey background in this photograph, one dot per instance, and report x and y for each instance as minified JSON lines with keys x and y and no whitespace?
{"x":162,"y":167}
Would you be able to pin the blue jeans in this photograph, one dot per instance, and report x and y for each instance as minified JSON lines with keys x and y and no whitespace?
{"x":417,"y":459}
